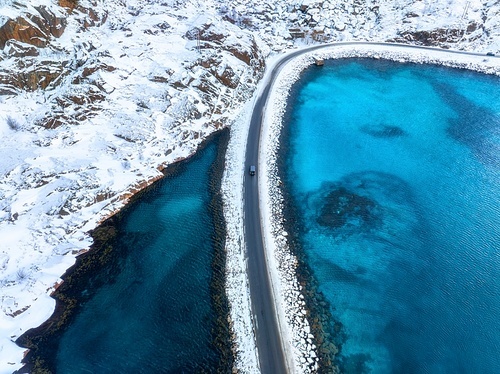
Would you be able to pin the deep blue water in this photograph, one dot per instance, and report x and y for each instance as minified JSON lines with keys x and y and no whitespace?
{"x":149,"y":307}
{"x":394,"y":171}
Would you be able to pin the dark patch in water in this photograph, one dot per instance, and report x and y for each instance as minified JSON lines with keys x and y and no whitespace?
{"x":358,"y":194}
{"x":355,"y":364}
{"x":352,"y":205}
{"x":360,"y":270}
{"x":476,"y":127}
{"x":342,"y":275}
{"x":342,"y":207}
{"x":383,"y":131}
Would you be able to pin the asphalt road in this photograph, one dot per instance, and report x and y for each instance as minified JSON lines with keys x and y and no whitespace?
{"x":269,"y":344}
{"x":271,"y":357}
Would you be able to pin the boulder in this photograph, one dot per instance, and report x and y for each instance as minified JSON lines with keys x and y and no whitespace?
{"x":14,"y":48}
{"x":33,"y":29}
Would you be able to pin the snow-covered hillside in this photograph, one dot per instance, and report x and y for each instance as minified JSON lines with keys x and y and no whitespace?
{"x":97,"y":96}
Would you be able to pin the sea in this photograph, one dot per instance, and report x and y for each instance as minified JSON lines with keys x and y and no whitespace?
{"x":391,"y":172}
{"x":149,"y":297}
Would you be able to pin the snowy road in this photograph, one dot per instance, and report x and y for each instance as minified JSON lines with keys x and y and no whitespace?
{"x":272,"y":357}
{"x":270,"y":351}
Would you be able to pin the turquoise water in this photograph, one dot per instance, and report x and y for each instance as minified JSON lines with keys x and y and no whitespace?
{"x":149,"y":308}
{"x":393,"y":172}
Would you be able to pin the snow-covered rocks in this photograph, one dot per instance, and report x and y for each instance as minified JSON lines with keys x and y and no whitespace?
{"x":109,"y":92}
{"x":458,"y":24}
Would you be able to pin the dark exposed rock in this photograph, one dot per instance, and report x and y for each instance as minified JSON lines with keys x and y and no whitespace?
{"x":14,"y":48}
{"x":84,"y":106}
{"x":248,"y":56}
{"x":89,"y":70}
{"x":228,"y":78}
{"x":163,"y":26}
{"x":437,"y":37}
{"x":54,"y":122}
{"x":217,"y":75}
{"x":471,"y":27}
{"x":297,"y":33}
{"x":208,"y":33}
{"x":37,"y":29}
{"x":68,"y":4}
{"x":31,"y":75}
{"x":22,"y":30}
{"x":34,"y":29}
{"x":92,"y":18}
{"x":205,"y":33}
{"x":6,"y":89}
{"x":411,"y":15}
{"x":50,"y":22}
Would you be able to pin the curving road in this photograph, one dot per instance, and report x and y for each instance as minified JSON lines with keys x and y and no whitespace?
{"x":272,"y":358}
{"x":269,"y":345}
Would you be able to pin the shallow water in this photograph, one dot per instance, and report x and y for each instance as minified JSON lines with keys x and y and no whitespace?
{"x":394,"y":173}
{"x":149,"y":307}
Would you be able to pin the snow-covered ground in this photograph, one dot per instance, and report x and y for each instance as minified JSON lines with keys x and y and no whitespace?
{"x":89,"y":118}
{"x":237,"y":284}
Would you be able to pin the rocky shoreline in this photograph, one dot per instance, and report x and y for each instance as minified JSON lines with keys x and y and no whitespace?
{"x":317,"y":307}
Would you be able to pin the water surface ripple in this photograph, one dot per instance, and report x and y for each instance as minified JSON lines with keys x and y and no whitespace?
{"x":393,"y":176}
{"x":149,"y":297}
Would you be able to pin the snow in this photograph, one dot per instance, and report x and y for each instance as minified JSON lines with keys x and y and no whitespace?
{"x":135,"y":94}
{"x":237,"y":286}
